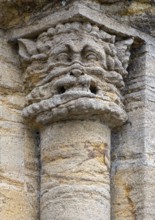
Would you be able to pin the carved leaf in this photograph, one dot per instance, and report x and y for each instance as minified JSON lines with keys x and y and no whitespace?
{"x":123,"y":51}
{"x":27,"y":48}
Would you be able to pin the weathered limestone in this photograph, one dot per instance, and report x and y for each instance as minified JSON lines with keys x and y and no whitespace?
{"x":133,"y":146}
{"x":128,"y":148}
{"x":75,"y":171}
{"x":148,"y":164}
{"x":18,"y":185}
{"x":76,"y":90}
{"x":74,"y":76}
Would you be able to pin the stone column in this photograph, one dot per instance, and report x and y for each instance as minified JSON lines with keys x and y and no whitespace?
{"x":74,"y":76}
{"x":75,"y":181}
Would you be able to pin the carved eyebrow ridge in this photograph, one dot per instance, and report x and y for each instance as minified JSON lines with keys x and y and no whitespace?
{"x":58,"y":50}
{"x":90,"y":48}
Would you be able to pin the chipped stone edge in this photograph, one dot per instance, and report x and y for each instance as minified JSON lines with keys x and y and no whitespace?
{"x":76,"y":13}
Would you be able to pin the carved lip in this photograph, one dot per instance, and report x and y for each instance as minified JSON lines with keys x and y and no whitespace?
{"x":85,"y":108}
{"x":76,"y":97}
{"x":76,"y":105}
{"x":60,"y":100}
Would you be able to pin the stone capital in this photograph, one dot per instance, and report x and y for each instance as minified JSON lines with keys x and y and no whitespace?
{"x":75,"y":70}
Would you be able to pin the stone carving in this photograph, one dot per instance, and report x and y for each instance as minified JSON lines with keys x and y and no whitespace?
{"x":75,"y":71}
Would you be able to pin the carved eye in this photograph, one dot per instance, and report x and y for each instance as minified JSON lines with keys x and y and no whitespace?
{"x":91,"y":56}
{"x":63,"y":57}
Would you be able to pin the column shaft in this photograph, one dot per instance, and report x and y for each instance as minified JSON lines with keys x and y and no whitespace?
{"x":75,"y":180}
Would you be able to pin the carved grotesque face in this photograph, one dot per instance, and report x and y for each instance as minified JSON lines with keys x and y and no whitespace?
{"x":76,"y":75}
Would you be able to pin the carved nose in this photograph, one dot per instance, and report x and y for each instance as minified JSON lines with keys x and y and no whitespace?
{"x":76,"y":72}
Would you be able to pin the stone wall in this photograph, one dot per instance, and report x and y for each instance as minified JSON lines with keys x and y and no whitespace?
{"x":18,"y":162}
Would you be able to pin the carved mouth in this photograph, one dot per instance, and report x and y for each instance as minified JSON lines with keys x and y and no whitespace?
{"x":91,"y":88}
{"x":76,"y":103}
{"x":63,"y":99}
{"x":67,"y":90}
{"x":76,"y":97}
